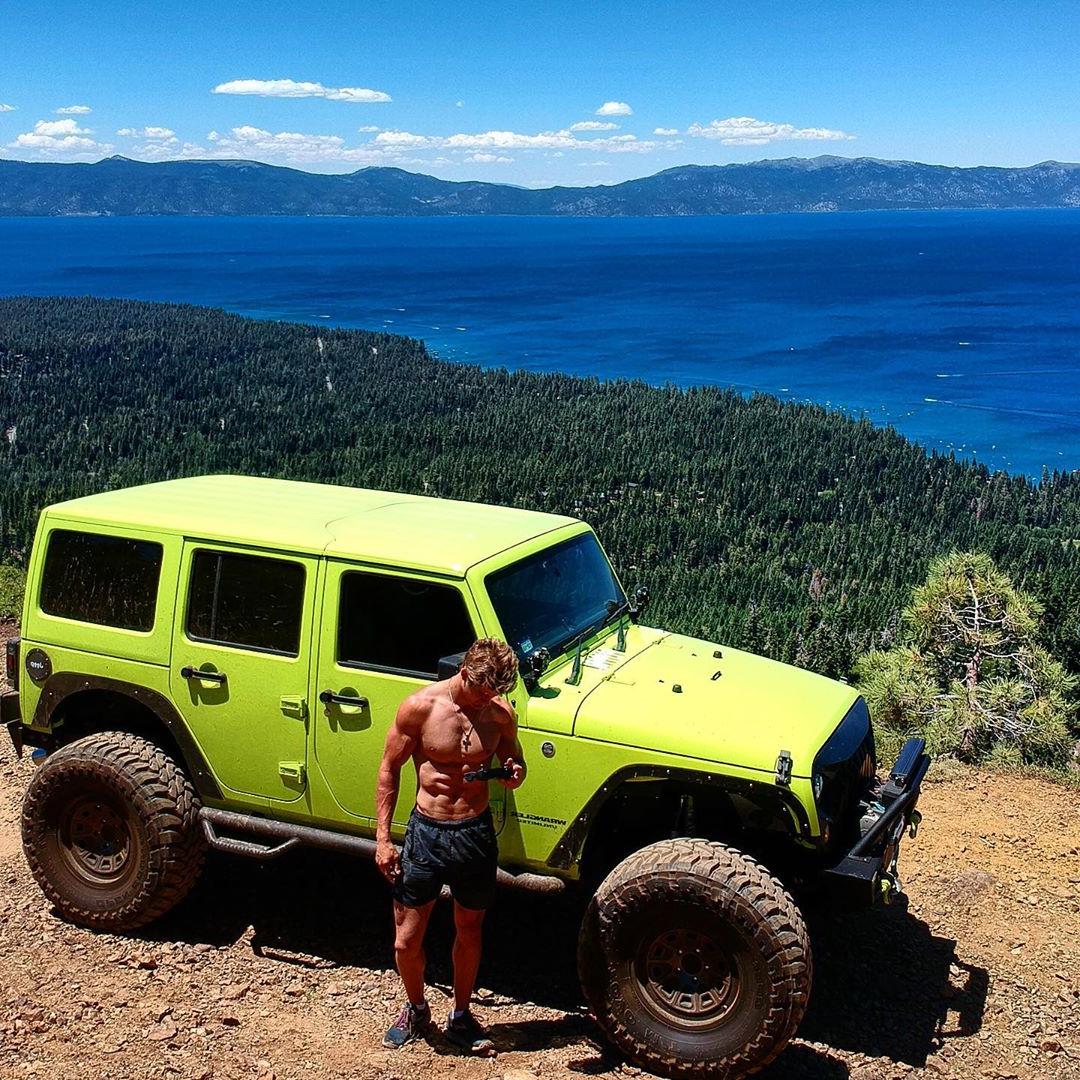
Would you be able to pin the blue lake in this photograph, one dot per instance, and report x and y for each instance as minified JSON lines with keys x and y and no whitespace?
{"x":961,"y":329}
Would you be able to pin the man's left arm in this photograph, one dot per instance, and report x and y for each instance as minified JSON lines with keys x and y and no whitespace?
{"x":509,"y":751}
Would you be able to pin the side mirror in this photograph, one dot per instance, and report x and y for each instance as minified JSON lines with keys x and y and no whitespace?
{"x":449,"y":666}
{"x":534,"y":665}
{"x":639,"y":601}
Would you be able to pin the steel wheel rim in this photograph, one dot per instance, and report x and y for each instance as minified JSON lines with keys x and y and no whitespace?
{"x":97,"y":842}
{"x":687,"y":978}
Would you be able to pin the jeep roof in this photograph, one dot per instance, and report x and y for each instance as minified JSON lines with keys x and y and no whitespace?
{"x":413,"y":531}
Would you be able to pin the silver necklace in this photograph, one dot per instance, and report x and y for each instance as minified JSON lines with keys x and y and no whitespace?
{"x":466,"y":736}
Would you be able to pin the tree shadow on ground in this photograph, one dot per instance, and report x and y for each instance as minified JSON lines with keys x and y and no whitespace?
{"x":884,"y":985}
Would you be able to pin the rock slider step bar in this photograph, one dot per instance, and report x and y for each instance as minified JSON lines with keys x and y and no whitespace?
{"x":267,"y":839}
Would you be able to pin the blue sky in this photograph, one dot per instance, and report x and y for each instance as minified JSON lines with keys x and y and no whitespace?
{"x":539,"y":93}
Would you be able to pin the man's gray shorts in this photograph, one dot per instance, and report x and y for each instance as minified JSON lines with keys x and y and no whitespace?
{"x":461,"y":854}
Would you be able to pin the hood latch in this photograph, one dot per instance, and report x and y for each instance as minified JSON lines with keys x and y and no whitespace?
{"x":784,"y":763}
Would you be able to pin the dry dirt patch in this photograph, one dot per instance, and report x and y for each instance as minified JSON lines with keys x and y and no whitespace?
{"x":284,"y":970}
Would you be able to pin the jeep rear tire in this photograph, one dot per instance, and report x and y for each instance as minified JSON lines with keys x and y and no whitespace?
{"x":110,"y":830}
{"x":695,"y":960}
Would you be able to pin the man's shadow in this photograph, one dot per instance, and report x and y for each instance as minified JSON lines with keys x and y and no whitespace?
{"x":884,"y":984}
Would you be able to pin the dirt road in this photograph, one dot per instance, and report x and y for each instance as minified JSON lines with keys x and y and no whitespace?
{"x":284,"y":970}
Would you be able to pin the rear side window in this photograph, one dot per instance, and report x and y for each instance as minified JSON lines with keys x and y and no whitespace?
{"x":250,"y":601}
{"x":107,"y":580}
{"x":401,"y":625}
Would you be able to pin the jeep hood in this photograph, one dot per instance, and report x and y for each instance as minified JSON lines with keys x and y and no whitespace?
{"x":678,"y":697}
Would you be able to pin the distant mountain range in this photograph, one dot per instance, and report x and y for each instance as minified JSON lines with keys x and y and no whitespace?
{"x":120,"y":186}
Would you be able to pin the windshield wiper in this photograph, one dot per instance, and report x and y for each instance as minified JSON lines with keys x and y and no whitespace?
{"x":577,"y":642}
{"x":618,"y":610}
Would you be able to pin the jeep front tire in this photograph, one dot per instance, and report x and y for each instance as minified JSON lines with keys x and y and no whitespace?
{"x":111,"y":832}
{"x":695,"y":960}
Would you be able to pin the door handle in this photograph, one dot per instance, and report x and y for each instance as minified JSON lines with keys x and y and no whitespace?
{"x":328,"y":697}
{"x":204,"y":676}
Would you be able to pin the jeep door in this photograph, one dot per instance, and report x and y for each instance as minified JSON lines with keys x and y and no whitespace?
{"x":382,"y":634}
{"x":240,"y":663}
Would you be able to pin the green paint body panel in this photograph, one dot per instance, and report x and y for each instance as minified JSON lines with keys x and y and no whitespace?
{"x":273,"y":746}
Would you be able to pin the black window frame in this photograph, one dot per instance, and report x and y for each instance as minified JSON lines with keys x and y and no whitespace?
{"x":385,"y":669}
{"x":95,"y":534}
{"x":240,"y":646}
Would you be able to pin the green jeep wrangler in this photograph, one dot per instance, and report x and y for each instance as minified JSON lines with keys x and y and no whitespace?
{"x":213,"y":662}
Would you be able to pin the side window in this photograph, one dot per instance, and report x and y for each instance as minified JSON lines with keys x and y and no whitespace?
{"x":108,"y":580}
{"x":398,"y":624}
{"x":251,"y":601}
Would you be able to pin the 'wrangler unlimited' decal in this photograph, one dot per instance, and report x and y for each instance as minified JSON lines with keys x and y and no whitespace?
{"x":542,"y":822}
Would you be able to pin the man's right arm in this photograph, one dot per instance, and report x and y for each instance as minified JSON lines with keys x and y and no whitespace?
{"x":401,"y":742}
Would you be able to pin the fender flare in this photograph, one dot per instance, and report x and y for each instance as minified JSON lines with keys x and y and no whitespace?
{"x":62,"y":686}
{"x":569,"y":848}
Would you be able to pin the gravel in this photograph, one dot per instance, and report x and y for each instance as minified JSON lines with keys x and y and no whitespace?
{"x":284,"y":970}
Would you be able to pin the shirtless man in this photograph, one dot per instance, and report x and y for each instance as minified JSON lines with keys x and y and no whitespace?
{"x":448,"y":728}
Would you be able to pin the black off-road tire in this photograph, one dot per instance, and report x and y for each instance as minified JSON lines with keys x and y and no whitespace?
{"x":111,"y":832}
{"x":695,"y":960}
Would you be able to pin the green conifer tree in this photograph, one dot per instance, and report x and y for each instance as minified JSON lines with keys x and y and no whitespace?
{"x":969,"y":674}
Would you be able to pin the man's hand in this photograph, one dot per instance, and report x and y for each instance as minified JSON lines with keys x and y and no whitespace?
{"x":517,"y":774}
{"x":388,"y":861}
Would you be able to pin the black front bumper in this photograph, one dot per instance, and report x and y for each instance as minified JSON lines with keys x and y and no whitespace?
{"x":11,"y":718}
{"x":867,"y":873}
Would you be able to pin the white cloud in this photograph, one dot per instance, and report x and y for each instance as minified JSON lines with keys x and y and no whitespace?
{"x":747,"y":131}
{"x":169,"y":148}
{"x":29,"y":140}
{"x":189,"y":150}
{"x":162,"y":133}
{"x":293,"y":143}
{"x":74,"y":110}
{"x":59,"y":137}
{"x":614,"y":108}
{"x":402,"y":138}
{"x":385,"y":147}
{"x":59,"y":127}
{"x":490,"y":141}
{"x":369,"y":129}
{"x":290,"y":88}
{"x":665,"y":131}
{"x":291,"y":147}
{"x":459,"y":104}
{"x":6,"y":108}
{"x":509,"y":140}
{"x":625,"y":144}
{"x":594,"y":125}
{"x":595,"y":164}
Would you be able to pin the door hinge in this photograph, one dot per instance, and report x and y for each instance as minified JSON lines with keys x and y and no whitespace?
{"x":294,"y":773}
{"x":294,"y":705}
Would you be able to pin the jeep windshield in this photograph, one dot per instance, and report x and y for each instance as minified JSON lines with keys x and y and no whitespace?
{"x":553,"y":596}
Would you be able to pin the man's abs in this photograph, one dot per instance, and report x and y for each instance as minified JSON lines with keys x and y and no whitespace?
{"x":443,"y":793}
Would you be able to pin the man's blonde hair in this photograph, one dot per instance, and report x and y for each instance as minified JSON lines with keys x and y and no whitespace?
{"x":492,"y":663}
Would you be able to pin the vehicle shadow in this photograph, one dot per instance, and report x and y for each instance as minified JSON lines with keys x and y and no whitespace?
{"x":885,"y":985}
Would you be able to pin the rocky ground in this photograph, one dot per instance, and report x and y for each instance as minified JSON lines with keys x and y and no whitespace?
{"x":284,"y":970}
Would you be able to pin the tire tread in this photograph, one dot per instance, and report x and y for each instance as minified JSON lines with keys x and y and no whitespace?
{"x":736,"y":882}
{"x":163,"y":797}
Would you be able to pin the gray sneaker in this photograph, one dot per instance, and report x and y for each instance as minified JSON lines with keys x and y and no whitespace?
{"x":411,"y":1024}
{"x":465,"y":1031}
